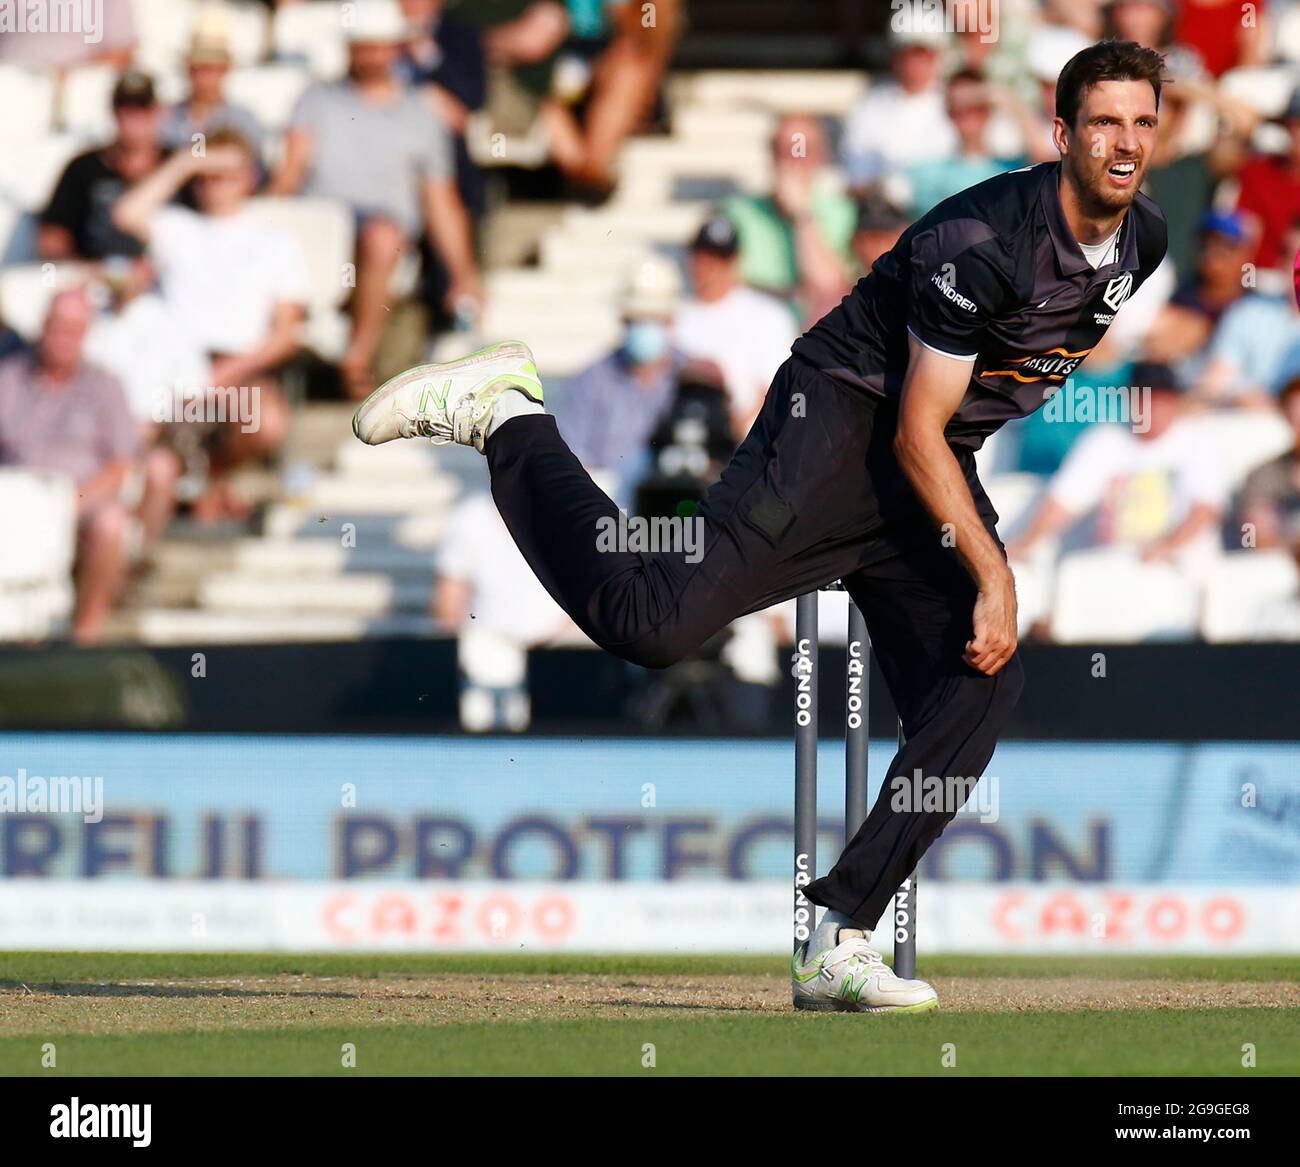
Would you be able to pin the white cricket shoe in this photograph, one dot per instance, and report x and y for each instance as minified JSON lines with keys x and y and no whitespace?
{"x":450,"y":402}
{"x":853,"y":977}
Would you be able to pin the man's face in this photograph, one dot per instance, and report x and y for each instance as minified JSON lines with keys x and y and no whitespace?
{"x":64,"y":332}
{"x":1223,"y":258}
{"x":916,"y":67}
{"x":1165,"y":408}
{"x":222,"y":190}
{"x":207,"y":79}
{"x":371,"y":61}
{"x":137,"y":125}
{"x":968,"y":110}
{"x":1109,"y":148}
{"x":1140,"y":20}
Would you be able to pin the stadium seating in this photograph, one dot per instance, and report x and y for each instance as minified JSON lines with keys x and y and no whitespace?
{"x":1241,"y":585}
{"x":37,"y":531}
{"x":311,"y":33}
{"x":1110,"y":596}
{"x":26,"y":291}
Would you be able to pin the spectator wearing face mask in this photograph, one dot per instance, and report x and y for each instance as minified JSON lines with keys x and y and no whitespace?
{"x":609,"y":410}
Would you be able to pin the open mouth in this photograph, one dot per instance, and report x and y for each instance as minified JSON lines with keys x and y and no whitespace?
{"x":1122,"y":173}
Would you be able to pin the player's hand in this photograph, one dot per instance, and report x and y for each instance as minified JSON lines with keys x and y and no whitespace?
{"x":994,"y":621}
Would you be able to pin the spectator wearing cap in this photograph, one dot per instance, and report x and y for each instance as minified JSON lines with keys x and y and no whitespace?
{"x":1270,"y":497}
{"x":795,"y":242}
{"x":609,"y":410}
{"x":901,"y":122}
{"x":58,"y":413}
{"x":969,"y":105}
{"x":207,"y":64}
{"x":1153,"y":483}
{"x":1223,"y":247}
{"x":233,"y":285}
{"x":880,"y":223}
{"x":1270,"y":190}
{"x":745,"y":333}
{"x":77,"y":223}
{"x":1255,"y":347}
{"x":371,"y":143}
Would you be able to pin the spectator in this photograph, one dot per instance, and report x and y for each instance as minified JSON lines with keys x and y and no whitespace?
{"x":901,"y":122}
{"x":232,"y":285}
{"x":747,"y":334}
{"x":1046,"y":55}
{"x":1148,"y":22}
{"x":880,"y":223}
{"x":205,"y":110}
{"x":77,"y":223}
{"x":1270,"y":499}
{"x":609,"y":410}
{"x":1255,"y":347}
{"x":1220,"y":34}
{"x":1270,"y":190}
{"x":969,"y":106}
{"x":1184,"y":326}
{"x":796,"y":242}
{"x":370,"y":143}
{"x":443,"y":59}
{"x":59,"y":413}
{"x":1155,"y":485}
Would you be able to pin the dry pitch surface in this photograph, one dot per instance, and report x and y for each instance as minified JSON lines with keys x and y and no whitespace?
{"x":241,"y":1014}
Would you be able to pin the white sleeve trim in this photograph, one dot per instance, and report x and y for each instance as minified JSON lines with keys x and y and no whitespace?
{"x":941,"y":352}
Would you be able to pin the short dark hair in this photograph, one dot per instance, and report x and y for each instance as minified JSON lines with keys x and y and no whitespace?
{"x":1105,"y":61}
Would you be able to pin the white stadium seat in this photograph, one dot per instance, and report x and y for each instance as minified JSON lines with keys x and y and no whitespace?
{"x":1244,"y":439}
{"x":1014,"y":497}
{"x":1111,"y":596}
{"x":32,"y":167}
{"x":163,"y":28}
{"x":26,"y":291}
{"x":268,"y":91}
{"x":32,"y":92}
{"x":37,"y":530}
{"x":250,"y":33}
{"x":87,"y":107}
{"x":1265,"y":88}
{"x":1241,"y":585}
{"x":311,"y":32}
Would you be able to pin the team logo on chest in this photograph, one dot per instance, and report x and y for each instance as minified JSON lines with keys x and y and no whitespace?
{"x":1117,"y":291}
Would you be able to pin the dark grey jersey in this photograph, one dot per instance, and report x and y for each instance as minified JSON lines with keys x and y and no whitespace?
{"x":992,"y":273}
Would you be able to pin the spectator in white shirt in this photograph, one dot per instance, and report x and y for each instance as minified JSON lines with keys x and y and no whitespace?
{"x":233,"y":285}
{"x":901,"y":122}
{"x":1154,"y":483}
{"x":746,"y":334}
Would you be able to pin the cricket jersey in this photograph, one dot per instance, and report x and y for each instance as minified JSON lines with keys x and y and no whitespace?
{"x":993,"y":275}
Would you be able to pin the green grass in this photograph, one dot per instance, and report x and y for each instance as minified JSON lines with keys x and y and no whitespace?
{"x":1134,"y":1042}
{"x":686,"y":1039}
{"x":47,"y":967}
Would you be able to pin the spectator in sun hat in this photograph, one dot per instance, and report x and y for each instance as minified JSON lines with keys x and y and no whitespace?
{"x":902,"y":121}
{"x":880,"y":222}
{"x":205,"y":108}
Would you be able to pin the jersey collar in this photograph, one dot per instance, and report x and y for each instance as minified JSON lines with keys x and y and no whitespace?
{"x":1068,"y":256}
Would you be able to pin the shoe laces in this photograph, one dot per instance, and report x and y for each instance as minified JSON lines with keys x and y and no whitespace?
{"x":859,"y":952}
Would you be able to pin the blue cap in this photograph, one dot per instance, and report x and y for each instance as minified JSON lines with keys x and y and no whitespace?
{"x":1229,"y":223}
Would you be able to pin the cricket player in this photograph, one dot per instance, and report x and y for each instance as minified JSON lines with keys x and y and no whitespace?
{"x":860,"y":467}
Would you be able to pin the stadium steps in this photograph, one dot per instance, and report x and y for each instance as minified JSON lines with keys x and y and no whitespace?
{"x":197,"y":627}
{"x":369,"y":596}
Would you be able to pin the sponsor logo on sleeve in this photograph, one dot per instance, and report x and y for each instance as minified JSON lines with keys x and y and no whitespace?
{"x":950,"y":293}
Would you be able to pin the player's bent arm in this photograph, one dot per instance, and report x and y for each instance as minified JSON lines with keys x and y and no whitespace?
{"x":932,"y":391}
